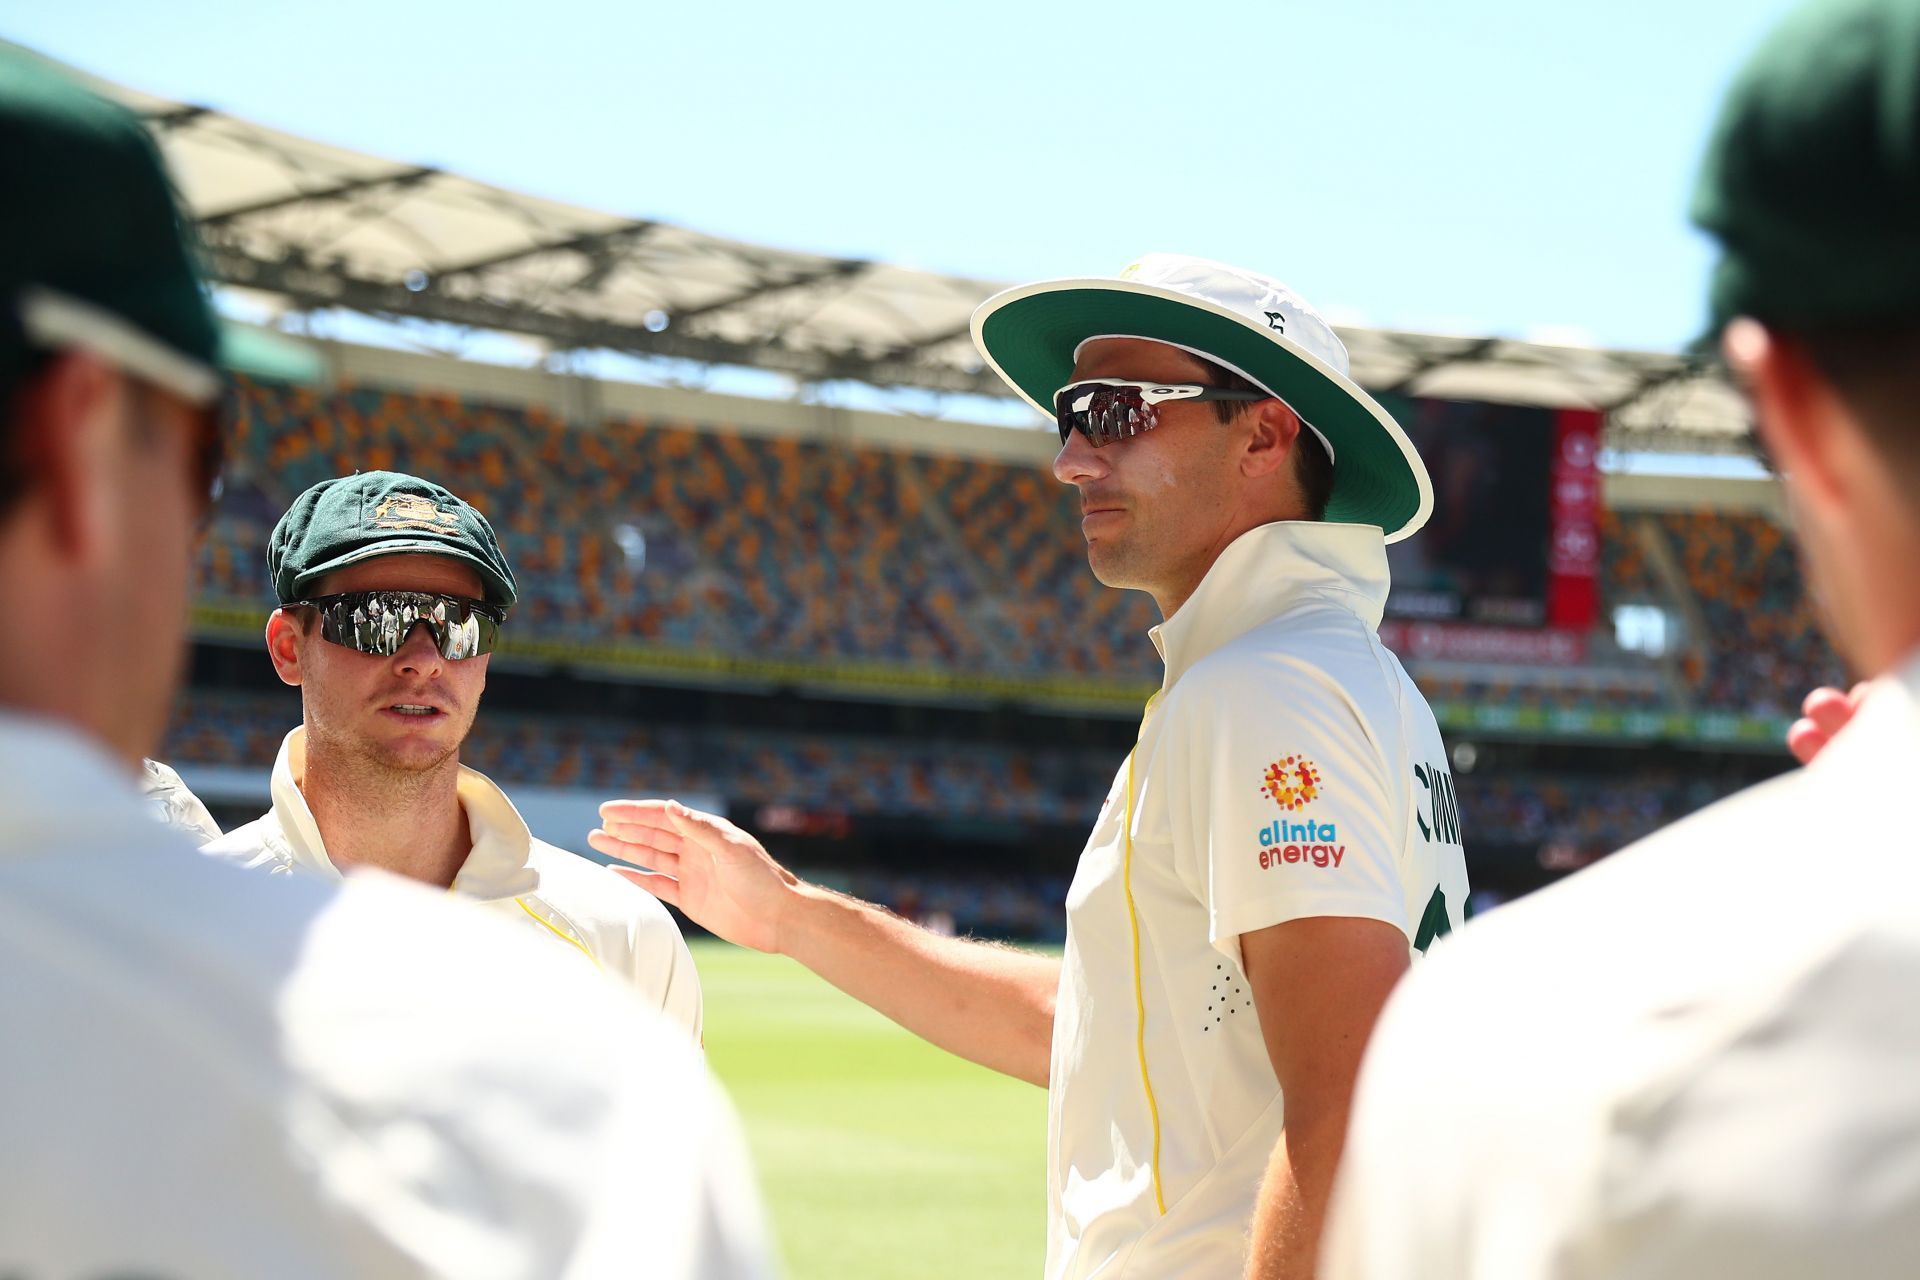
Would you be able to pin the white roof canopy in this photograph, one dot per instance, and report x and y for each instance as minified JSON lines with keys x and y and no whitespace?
{"x":321,"y":227}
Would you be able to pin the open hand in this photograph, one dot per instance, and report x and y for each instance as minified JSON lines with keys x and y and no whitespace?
{"x":712,"y":870}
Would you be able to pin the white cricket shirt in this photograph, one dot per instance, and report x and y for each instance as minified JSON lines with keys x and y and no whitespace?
{"x":174,"y":804}
{"x":1700,"y":1057}
{"x":206,"y":1074}
{"x":566,"y":899}
{"x":1288,"y":768}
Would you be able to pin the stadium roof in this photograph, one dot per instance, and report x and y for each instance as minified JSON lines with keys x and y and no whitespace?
{"x":323,"y":227}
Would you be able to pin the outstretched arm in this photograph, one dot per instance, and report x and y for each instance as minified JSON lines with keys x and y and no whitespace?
{"x":987,"y":1003}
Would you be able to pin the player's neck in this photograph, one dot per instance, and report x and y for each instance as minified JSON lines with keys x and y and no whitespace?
{"x":411,"y":824}
{"x":1183,"y":578}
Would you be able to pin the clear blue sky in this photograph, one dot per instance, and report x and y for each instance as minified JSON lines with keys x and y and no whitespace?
{"x":1487,"y":166}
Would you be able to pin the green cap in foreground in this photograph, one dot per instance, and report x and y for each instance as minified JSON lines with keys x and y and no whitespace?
{"x":380,"y":513}
{"x":94,"y":253}
{"x":1811,"y":180}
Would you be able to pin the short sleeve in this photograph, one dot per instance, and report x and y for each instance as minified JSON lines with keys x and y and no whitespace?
{"x":1282,"y":800}
{"x":659,"y":964}
{"x":681,"y":999}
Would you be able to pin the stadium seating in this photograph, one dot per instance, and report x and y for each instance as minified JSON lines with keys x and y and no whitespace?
{"x":675,"y":538}
{"x":1517,"y":696}
{"x":1590,"y":814}
{"x":1020,"y":527}
{"x":1625,"y":576}
{"x":710,"y":541}
{"x":1020,"y":907}
{"x":1764,"y":648}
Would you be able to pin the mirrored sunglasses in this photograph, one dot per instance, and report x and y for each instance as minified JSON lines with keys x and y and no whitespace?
{"x":1108,"y":409}
{"x":379,"y":622}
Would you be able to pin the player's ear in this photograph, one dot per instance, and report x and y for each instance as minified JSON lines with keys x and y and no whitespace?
{"x":284,"y":634}
{"x":1793,"y":408}
{"x":66,"y":428}
{"x":1275,"y":428}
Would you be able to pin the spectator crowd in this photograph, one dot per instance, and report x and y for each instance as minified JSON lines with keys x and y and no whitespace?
{"x":703,"y":540}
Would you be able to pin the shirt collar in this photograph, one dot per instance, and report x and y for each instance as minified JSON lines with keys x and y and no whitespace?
{"x":59,"y":788}
{"x":1266,"y":571}
{"x":499,"y":865}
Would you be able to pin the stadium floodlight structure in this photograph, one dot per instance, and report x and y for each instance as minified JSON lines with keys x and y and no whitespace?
{"x":322,"y":227}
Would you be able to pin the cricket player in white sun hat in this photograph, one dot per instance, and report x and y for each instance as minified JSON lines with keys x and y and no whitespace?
{"x":1278,"y":846}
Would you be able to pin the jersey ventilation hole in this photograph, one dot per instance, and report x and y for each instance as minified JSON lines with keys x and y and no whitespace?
{"x":1227,"y":997}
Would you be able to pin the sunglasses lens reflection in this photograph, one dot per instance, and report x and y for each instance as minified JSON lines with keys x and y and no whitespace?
{"x":378,"y":623}
{"x":1102,"y":412}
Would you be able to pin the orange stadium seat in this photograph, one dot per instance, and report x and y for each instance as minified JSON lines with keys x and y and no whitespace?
{"x":774,"y":547}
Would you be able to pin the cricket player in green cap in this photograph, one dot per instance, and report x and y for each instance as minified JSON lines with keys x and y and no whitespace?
{"x":202,"y":1072}
{"x":392,"y":593}
{"x":1702,"y":1056}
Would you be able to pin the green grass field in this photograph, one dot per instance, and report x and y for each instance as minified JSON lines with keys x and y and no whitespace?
{"x":879,"y":1155}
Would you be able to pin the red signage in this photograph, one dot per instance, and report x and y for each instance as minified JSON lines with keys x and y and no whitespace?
{"x":1573,"y":556}
{"x":1455,"y":642}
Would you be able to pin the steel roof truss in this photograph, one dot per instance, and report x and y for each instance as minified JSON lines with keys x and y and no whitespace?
{"x":401,"y":179}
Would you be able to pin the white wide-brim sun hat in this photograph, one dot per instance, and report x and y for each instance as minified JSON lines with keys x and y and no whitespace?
{"x":1249,"y":323}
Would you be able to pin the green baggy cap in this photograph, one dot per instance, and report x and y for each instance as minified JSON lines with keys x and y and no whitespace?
{"x":380,"y":513}
{"x":1811,"y":179}
{"x":93,"y":250}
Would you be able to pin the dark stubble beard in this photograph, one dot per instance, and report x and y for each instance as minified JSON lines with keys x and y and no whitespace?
{"x":1135,"y":563}
{"x":373,"y":779}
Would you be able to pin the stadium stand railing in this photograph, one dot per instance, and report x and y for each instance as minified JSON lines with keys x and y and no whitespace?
{"x":873,"y":777}
{"x":849,"y":775}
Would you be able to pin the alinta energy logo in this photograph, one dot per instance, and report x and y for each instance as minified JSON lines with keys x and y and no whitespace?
{"x":1292,"y":783}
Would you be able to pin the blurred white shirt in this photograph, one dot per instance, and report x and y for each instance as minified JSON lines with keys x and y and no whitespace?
{"x":1699,"y":1058}
{"x":174,"y":804}
{"x":206,"y":1073}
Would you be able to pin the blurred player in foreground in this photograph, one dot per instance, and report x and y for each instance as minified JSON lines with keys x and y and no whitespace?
{"x":1280,"y":843}
{"x":1733,"y":1090}
{"x":392,"y":592}
{"x":203,"y":1073}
